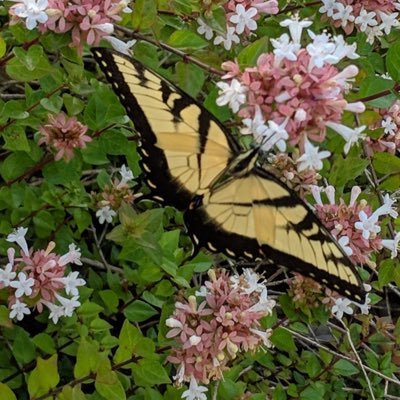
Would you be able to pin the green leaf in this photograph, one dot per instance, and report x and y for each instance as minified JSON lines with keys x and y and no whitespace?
{"x":15,"y":165}
{"x":144,"y":14}
{"x":393,"y":61}
{"x":44,"y":342}
{"x":186,"y":40}
{"x":44,"y":377}
{"x":139,"y":311}
{"x":5,"y":392}
{"x":345,"y":368}
{"x":129,"y":337}
{"x":283,"y":340}
{"x":23,"y":347}
{"x":149,"y":373}
{"x":108,"y":384}
{"x":190,"y":78}
{"x":3,"y":47}
{"x":52,"y":104}
{"x":15,"y":139}
{"x":221,"y":113}
{"x":87,"y":358}
{"x":30,"y":64}
{"x":386,"y":163}
{"x":44,"y":224}
{"x":315,"y":391}
{"x":372,"y":85}
{"x":14,"y":109}
{"x":62,"y":173}
{"x":249,"y":55}
{"x":110,"y":300}
{"x":279,"y":393}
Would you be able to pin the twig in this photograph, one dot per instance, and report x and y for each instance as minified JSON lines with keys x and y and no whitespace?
{"x":342,"y":356}
{"x":360,"y":363}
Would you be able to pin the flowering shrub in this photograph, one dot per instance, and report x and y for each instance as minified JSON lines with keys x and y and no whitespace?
{"x":313,"y":86}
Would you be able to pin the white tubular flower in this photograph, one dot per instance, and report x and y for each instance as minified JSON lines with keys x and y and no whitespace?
{"x":204,"y":29}
{"x":71,"y":283}
{"x":389,"y":21}
{"x":34,"y":12}
{"x":107,"y":28}
{"x":19,"y":310}
{"x":56,"y":311}
{"x":273,"y":135}
{"x":387,"y":207}
{"x":390,"y":127}
{"x":321,"y":50}
{"x":344,"y":50}
{"x":316,"y":192}
{"x":264,"y":305}
{"x":68,"y":305}
{"x":367,"y":224}
{"x":228,"y":39}
{"x":72,"y":257}
{"x":251,"y":278}
{"x":119,"y":45}
{"x":18,"y":236}
{"x":233,"y":94}
{"x":295,"y":27}
{"x":23,"y":285}
{"x":311,"y":158}
{"x":173,"y":323}
{"x":253,"y":124}
{"x":344,"y":244}
{"x":366,"y":19}
{"x":328,"y":7}
{"x":343,"y":13}
{"x":105,"y":214}
{"x":355,"y":192}
{"x":264,"y":335}
{"x":330,"y":194}
{"x":351,"y":136}
{"x":341,"y":306}
{"x":358,"y":107}
{"x":392,"y":245}
{"x":285,"y":49}
{"x":244,"y":19}
{"x":195,"y":392}
{"x":194,"y":340}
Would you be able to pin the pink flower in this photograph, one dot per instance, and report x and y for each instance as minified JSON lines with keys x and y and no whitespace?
{"x":353,"y":220}
{"x":64,"y":134}
{"x":288,"y":89}
{"x":208,"y":336}
{"x":87,"y":20}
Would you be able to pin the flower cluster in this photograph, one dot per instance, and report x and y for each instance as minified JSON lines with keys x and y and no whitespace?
{"x":112,"y":196}
{"x":355,"y":225}
{"x":211,"y":334}
{"x":88,"y":20}
{"x":374,"y":17}
{"x":63,"y":134}
{"x":241,"y":17}
{"x":287,"y":169}
{"x":293,"y":94}
{"x":39,"y":278}
{"x":389,"y":140}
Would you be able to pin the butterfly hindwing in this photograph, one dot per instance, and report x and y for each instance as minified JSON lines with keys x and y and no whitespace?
{"x":182,"y":148}
{"x":257,"y":217}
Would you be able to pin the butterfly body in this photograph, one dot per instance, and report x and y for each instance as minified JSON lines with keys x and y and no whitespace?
{"x":230,"y":204}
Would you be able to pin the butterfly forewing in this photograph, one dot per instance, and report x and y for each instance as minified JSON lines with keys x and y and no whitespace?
{"x":183,"y":149}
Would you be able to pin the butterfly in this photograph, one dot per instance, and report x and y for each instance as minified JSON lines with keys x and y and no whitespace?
{"x":231,"y":205}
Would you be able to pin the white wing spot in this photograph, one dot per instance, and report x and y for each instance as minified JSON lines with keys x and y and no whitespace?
{"x":247,"y":254}
{"x":211,"y":247}
{"x":230,"y":252}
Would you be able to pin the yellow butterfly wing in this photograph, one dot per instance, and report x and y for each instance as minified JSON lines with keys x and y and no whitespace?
{"x":257,"y":217}
{"x":183,"y":148}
